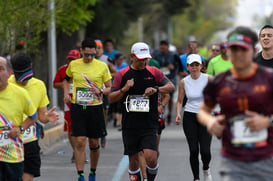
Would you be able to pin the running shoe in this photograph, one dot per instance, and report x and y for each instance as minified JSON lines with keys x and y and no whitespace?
{"x":81,"y":178}
{"x":92,"y":177}
{"x":207,"y":175}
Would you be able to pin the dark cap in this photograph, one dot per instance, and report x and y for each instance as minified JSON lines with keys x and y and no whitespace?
{"x":237,"y":39}
{"x":242,"y":37}
{"x":22,"y":68}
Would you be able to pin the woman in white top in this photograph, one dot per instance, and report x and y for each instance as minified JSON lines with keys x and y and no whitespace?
{"x":197,"y":136}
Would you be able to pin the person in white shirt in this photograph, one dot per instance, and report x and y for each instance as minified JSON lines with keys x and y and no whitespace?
{"x":197,"y":136}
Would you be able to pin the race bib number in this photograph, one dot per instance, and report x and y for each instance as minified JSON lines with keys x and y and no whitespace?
{"x":243,"y":137}
{"x":4,"y":139}
{"x":29,"y":133}
{"x":84,"y":96}
{"x":138,"y":103}
{"x":165,"y":70}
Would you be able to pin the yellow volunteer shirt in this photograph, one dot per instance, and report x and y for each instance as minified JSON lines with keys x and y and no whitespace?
{"x":15,"y":103}
{"x":37,"y":90}
{"x":94,"y":73}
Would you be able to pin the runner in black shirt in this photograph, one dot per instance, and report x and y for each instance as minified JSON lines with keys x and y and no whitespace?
{"x":137,"y":87}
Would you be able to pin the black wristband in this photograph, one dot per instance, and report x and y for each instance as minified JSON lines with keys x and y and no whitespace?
{"x":157,"y":88}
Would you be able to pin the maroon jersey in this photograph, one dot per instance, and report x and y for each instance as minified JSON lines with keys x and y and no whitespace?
{"x":235,"y":95}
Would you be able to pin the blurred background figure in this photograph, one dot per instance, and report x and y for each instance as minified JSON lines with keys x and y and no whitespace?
{"x":120,"y":63}
{"x":170,"y":65}
{"x":214,"y":51}
{"x":106,"y":59}
{"x":109,"y":49}
{"x":220,"y":63}
{"x":58,"y":84}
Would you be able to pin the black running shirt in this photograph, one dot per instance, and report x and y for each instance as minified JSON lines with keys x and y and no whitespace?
{"x":148,"y":77}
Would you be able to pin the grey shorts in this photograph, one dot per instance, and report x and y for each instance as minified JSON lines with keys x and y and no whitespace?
{"x":234,"y":170}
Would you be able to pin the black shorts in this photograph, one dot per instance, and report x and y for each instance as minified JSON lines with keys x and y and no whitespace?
{"x":11,"y":171}
{"x":136,"y":140}
{"x":32,"y":163}
{"x":87,"y":121}
{"x":116,"y":107}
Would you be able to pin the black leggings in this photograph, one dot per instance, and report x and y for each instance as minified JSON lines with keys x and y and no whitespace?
{"x":197,"y":136}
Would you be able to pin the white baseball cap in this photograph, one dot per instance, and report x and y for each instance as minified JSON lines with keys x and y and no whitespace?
{"x":141,"y":50}
{"x":194,"y":58}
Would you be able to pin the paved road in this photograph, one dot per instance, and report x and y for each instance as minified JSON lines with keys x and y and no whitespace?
{"x":113,"y":166}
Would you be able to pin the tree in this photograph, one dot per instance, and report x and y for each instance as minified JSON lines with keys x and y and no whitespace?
{"x":201,"y":20}
{"x":27,"y":19}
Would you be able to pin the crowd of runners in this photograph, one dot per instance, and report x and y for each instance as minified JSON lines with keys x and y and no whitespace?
{"x":224,"y":91}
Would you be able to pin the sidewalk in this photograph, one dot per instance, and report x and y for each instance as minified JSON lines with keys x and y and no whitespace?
{"x":53,"y":135}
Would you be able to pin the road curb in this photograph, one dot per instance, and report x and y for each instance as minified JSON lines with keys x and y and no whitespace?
{"x":51,"y":138}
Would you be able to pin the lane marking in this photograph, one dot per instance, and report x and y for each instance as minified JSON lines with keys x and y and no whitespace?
{"x":122,"y":167}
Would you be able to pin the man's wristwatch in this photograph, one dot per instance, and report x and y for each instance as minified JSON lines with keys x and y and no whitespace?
{"x":157,"y":88}
{"x":22,"y":129}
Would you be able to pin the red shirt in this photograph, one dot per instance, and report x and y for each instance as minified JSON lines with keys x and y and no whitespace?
{"x":237,"y":94}
{"x":59,"y":77}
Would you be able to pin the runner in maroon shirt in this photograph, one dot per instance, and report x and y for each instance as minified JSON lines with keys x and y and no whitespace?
{"x":245,"y":95}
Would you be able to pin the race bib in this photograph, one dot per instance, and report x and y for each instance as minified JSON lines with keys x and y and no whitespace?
{"x":4,"y":139}
{"x":165,"y":70}
{"x":29,"y":133}
{"x":243,"y":137}
{"x":138,"y":103}
{"x":84,"y":96}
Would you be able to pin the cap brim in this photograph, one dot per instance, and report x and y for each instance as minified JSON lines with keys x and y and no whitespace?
{"x":72,"y":57}
{"x":240,"y":44}
{"x":194,"y":61}
{"x":144,"y":56}
{"x":23,"y":76}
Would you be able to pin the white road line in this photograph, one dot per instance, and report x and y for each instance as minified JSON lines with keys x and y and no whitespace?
{"x":122,"y":167}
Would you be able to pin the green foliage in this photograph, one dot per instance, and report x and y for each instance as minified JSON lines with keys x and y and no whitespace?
{"x":72,"y":14}
{"x":201,"y":20}
{"x":114,"y":16}
{"x":27,"y":19}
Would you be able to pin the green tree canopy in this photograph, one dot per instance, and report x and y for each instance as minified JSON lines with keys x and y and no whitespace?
{"x":27,"y":19}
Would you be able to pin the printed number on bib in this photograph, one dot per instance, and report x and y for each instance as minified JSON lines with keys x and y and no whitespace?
{"x":138,"y":103}
{"x":84,"y":96}
{"x":29,"y":133}
{"x":4,"y":139}
{"x":241,"y":136}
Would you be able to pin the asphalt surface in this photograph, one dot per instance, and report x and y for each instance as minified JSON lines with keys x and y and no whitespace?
{"x":113,"y":166}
